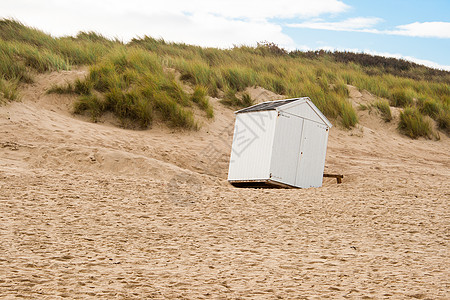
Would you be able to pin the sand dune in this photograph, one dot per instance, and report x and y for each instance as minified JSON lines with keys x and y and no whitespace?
{"x":89,"y":210}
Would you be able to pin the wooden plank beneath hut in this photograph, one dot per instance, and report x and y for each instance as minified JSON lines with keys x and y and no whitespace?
{"x":338,"y":177}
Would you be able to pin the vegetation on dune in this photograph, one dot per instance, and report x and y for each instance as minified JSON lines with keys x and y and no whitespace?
{"x":414,"y":125}
{"x":385,"y":109}
{"x":136,"y":81}
{"x":8,"y":90}
{"x":199,"y":96}
{"x":232,"y":100}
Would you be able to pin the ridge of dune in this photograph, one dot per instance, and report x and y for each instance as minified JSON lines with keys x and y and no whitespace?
{"x":91,"y":210}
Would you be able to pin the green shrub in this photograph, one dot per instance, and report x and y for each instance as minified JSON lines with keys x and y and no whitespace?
{"x":413,"y":124}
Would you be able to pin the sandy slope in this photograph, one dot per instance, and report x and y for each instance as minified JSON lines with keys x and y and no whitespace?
{"x":92,"y":210}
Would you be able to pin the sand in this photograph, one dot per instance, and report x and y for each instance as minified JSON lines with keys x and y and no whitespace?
{"x":90,"y":210}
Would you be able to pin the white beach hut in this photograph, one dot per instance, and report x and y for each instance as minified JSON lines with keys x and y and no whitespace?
{"x":279,"y":143}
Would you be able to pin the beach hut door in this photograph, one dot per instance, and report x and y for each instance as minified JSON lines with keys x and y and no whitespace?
{"x":286,"y":148}
{"x":312,"y":155}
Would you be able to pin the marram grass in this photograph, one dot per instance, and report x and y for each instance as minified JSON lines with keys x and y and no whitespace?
{"x":384,"y":109}
{"x":413,"y":124}
{"x":137,"y":81}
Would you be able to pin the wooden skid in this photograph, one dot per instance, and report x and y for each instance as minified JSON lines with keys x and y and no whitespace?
{"x":274,"y":184}
{"x":260,"y":184}
{"x":337,"y":176}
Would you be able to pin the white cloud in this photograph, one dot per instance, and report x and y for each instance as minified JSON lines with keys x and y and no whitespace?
{"x":352,"y":24}
{"x":425,"y":29}
{"x":201,"y":22}
{"x":249,"y":9}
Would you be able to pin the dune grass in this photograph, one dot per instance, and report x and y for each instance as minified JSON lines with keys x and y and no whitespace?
{"x":135,"y":86}
{"x":136,"y":81}
{"x":230,"y":99}
{"x":8,"y":90}
{"x":200,"y":97}
{"x":384,"y":109}
{"x":413,"y":124}
{"x":443,"y":120}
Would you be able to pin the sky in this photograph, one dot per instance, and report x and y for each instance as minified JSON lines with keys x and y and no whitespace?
{"x":415,"y":30}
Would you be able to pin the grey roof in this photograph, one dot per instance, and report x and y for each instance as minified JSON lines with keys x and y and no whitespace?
{"x":269,"y":105}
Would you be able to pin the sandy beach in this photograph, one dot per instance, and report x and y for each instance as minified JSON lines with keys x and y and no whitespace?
{"x":90,"y":210}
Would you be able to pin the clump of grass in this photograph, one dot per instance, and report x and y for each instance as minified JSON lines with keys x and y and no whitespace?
{"x":8,"y":90}
{"x":102,"y":76}
{"x":135,"y":87}
{"x":232,"y":100}
{"x":363,"y":107}
{"x":199,"y":96}
{"x":42,"y":60}
{"x":341,"y":89}
{"x":385,"y":109}
{"x":348,"y":114}
{"x":61,"y":89}
{"x":274,"y":83}
{"x":94,"y":37}
{"x":413,"y":124}
{"x":247,"y":100}
{"x":238,"y":78}
{"x":428,"y":107}
{"x":128,"y":105}
{"x":90,"y":104}
{"x":174,"y":113}
{"x":80,"y":87}
{"x":400,"y":98}
{"x":443,"y":120}
{"x":10,"y":67}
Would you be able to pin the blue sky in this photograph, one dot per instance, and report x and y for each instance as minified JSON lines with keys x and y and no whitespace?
{"x":386,"y":16}
{"x":415,"y":30}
